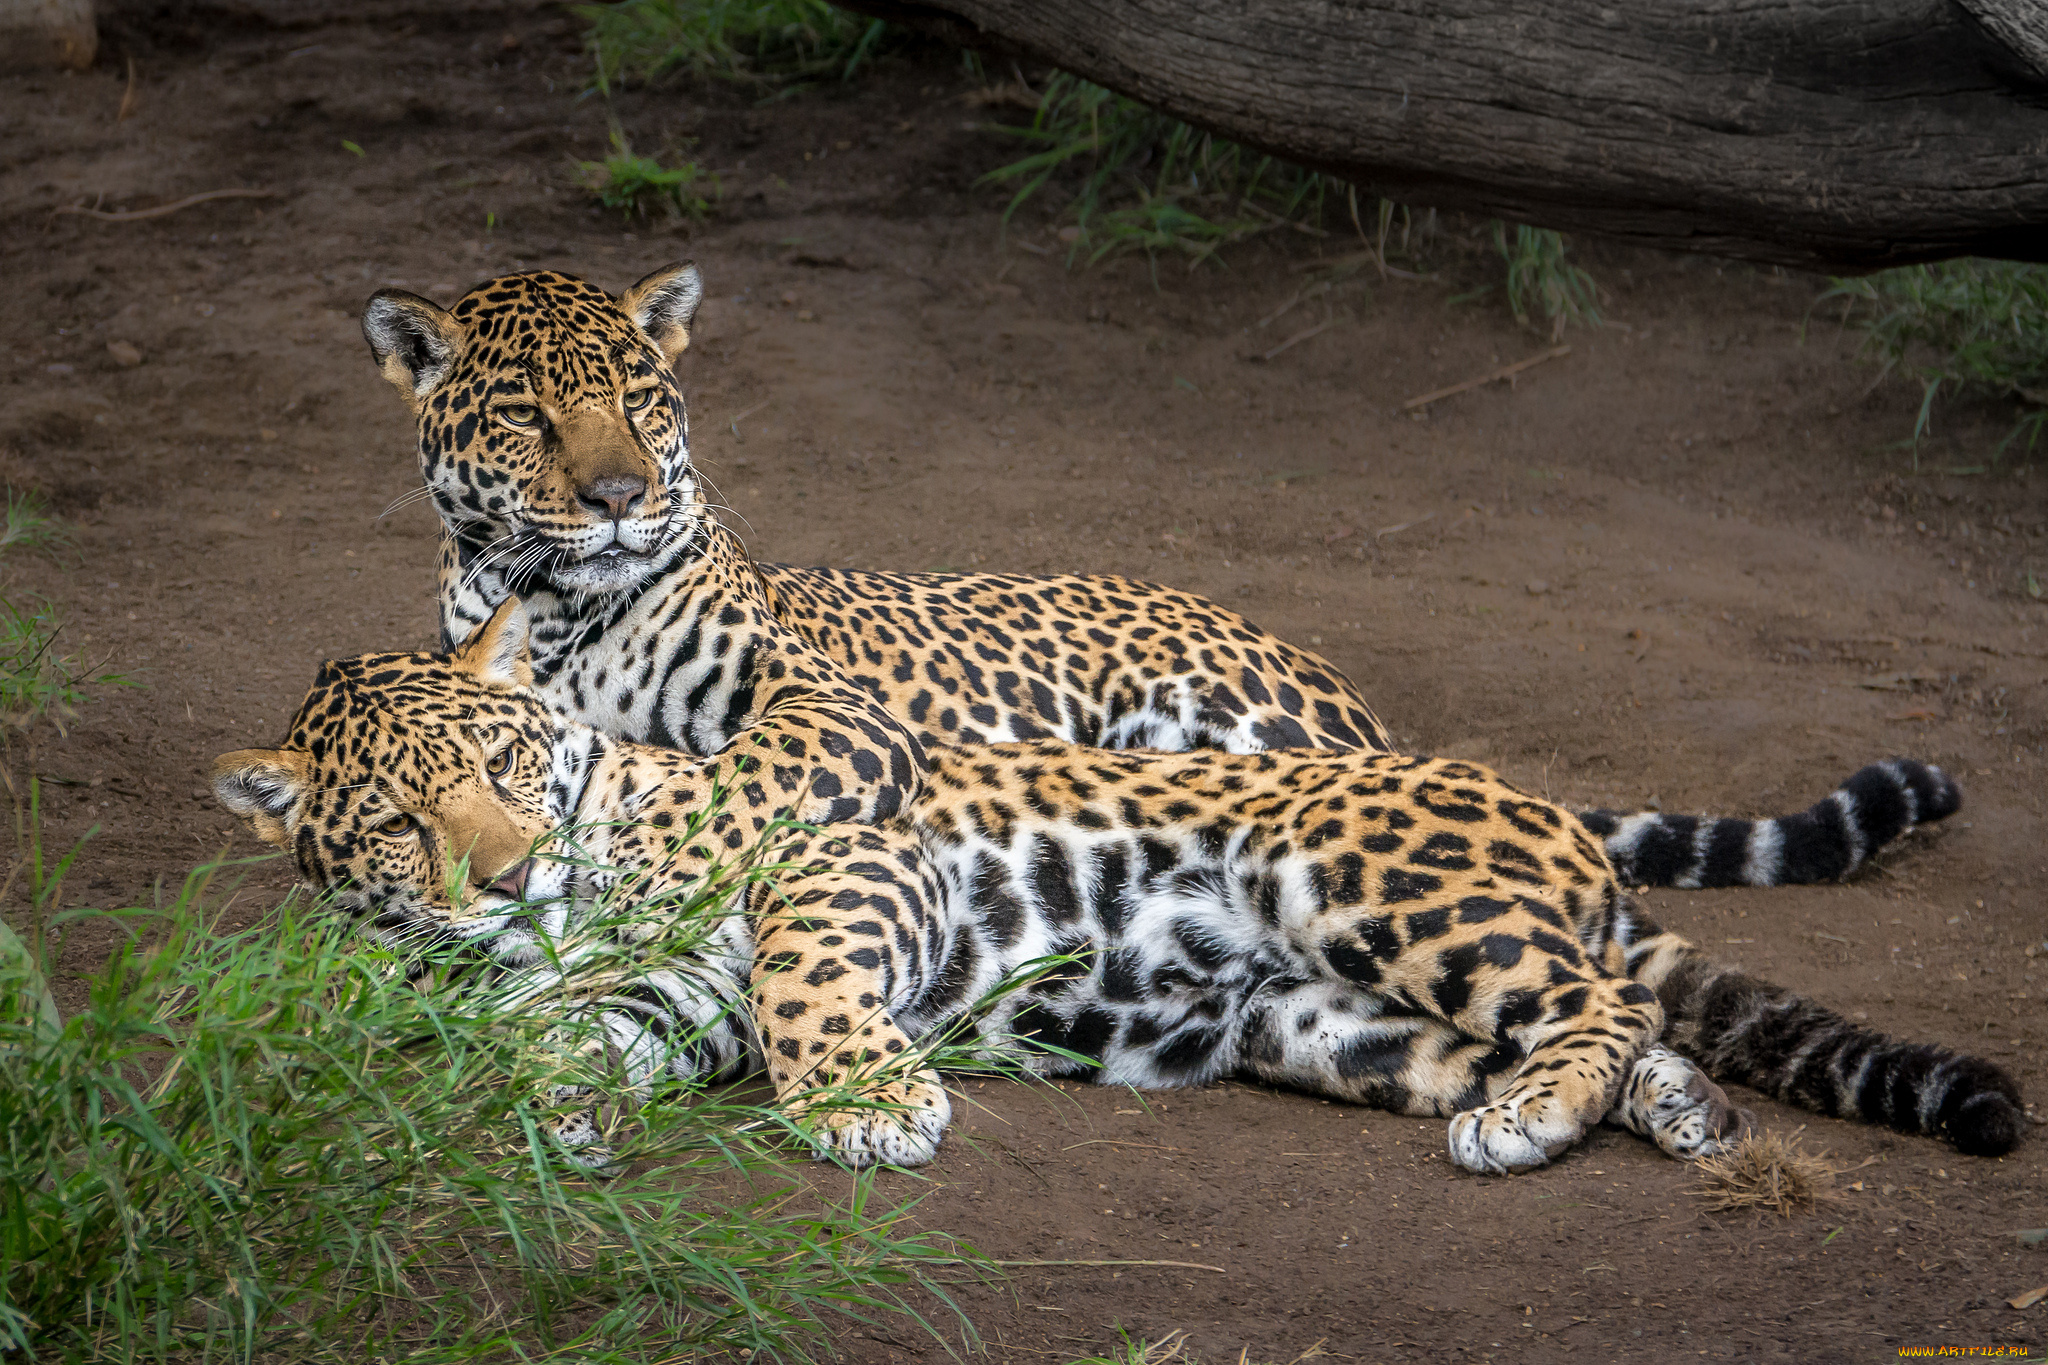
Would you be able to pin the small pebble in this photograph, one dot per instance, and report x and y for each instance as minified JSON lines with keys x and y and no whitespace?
{"x":1537,"y":587}
{"x":125,"y":354}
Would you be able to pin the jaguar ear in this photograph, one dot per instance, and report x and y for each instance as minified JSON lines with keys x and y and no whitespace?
{"x":496,"y":654}
{"x":261,"y":786}
{"x":663,"y":304}
{"x":413,"y":340}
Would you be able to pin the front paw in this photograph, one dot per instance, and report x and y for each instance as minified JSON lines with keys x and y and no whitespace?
{"x":1675,"y":1104}
{"x":895,"y":1123}
{"x":579,"y":1140}
{"x":1492,"y":1140}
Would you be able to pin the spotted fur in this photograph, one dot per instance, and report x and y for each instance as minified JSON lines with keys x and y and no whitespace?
{"x":1410,"y":933}
{"x":554,"y":443}
{"x":415,"y":789}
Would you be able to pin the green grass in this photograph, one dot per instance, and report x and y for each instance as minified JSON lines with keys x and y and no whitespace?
{"x":759,"y":42}
{"x":1541,"y":282}
{"x":267,"y":1144}
{"x":1149,"y":182}
{"x":1141,"y":180}
{"x":26,"y":523}
{"x":1138,"y":1351}
{"x":1959,"y":327}
{"x":36,"y":678}
{"x":642,"y":187}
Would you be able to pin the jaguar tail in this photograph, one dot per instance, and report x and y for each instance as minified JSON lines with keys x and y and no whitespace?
{"x":1789,"y":1047}
{"x":1826,"y":842}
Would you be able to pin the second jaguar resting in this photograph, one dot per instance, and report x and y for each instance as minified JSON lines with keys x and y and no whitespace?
{"x":1409,"y":933}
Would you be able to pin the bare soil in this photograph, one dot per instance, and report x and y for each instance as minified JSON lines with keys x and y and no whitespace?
{"x":1685,"y":563}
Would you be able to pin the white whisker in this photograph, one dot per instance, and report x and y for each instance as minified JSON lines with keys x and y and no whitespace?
{"x":410,"y":495}
{"x":527,"y":558}
{"x":721,"y":507}
{"x":708,"y":482}
{"x":483,"y":560}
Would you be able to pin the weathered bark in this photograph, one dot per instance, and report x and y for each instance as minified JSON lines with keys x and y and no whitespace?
{"x":35,"y":34}
{"x":1837,"y":134}
{"x":2021,"y":25}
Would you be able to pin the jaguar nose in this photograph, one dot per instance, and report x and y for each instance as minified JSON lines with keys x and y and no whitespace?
{"x":613,"y":496}
{"x":512,"y":881}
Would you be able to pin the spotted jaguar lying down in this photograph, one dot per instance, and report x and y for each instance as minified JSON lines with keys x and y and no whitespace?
{"x":1403,"y":932}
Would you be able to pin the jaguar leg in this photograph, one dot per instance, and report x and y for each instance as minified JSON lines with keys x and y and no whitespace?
{"x":828,"y":966}
{"x":577,"y":1133}
{"x":1198,"y":709}
{"x":664,"y":1024}
{"x":1584,"y":1041}
{"x":1498,"y":970}
{"x":1332,"y":1038}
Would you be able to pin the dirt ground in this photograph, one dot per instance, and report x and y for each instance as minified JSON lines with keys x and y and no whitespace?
{"x":1684,"y":564}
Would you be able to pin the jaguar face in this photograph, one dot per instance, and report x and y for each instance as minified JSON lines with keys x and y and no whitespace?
{"x":414,"y":789}
{"x":552,"y":432}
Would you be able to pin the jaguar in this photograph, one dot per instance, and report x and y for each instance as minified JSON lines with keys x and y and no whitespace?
{"x":1404,"y":932}
{"x":553,"y":441}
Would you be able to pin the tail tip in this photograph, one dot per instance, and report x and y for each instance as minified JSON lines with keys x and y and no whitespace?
{"x":1987,"y":1124}
{"x":1946,"y":798}
{"x":1939,"y":796}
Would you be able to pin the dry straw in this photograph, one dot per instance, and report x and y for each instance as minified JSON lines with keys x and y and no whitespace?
{"x":1769,"y":1172}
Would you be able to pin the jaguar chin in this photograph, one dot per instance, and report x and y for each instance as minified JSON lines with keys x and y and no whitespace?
{"x":613,"y":569}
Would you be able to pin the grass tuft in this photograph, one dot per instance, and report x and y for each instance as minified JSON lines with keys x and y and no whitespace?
{"x":27,"y":523}
{"x":1149,"y":182}
{"x":1141,"y":180}
{"x":757,"y":42}
{"x":1541,"y":282}
{"x":1766,"y":1171}
{"x":1137,"y":1351}
{"x":1964,"y":326}
{"x":36,"y":678}
{"x":271,"y":1144}
{"x":1173,"y":1347}
{"x":642,"y":187}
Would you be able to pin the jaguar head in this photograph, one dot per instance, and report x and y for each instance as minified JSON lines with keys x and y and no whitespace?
{"x":552,"y":432}
{"x":414,"y":789}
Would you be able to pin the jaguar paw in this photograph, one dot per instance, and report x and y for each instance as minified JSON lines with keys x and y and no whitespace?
{"x":896,"y":1123}
{"x":1675,"y":1104}
{"x":1494,"y":1139}
{"x":579,"y":1140}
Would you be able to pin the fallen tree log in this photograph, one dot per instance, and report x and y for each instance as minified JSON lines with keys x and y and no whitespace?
{"x":36,"y":35}
{"x":1825,"y":134}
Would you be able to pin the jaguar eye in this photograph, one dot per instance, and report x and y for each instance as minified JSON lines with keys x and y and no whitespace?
{"x":519,"y":414}
{"x":396,"y":825}
{"x":500,"y":763}
{"x":638,"y":399}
